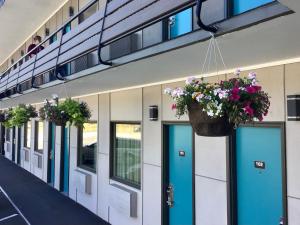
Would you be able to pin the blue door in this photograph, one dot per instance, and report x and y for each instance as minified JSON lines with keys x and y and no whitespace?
{"x":240,"y":6}
{"x":51,"y":162}
{"x":259,"y":176}
{"x":181,"y":23}
{"x":180,"y":175}
{"x":66,"y":160}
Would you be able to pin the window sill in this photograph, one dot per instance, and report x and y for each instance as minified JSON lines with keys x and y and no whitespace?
{"x":86,"y":169}
{"x":38,"y":152}
{"x":124,"y":183}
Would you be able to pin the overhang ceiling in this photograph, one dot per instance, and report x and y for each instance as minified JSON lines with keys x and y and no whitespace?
{"x":274,"y":40}
{"x":19,"y":19}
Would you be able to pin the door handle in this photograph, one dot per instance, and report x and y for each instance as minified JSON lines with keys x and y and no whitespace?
{"x":281,"y":221}
{"x":170,"y":196}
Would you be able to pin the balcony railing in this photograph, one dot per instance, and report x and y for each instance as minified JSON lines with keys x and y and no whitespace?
{"x":120,"y":20}
{"x":122,"y":17}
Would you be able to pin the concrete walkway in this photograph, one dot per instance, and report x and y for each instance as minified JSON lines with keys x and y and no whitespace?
{"x":26,"y":200}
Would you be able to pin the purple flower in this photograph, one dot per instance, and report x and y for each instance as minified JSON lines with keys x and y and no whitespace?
{"x":190,"y":80}
{"x":237,"y":72}
{"x":252,"y":75}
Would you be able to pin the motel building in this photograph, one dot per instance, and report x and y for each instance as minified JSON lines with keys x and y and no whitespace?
{"x":135,"y":162}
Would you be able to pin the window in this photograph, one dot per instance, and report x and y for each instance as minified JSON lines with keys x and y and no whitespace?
{"x":87,"y":146}
{"x":181,"y":23}
{"x":53,"y":39}
{"x":240,"y":6}
{"x":126,"y":153}
{"x":7,"y":134}
{"x":27,"y":134}
{"x":39,"y":136}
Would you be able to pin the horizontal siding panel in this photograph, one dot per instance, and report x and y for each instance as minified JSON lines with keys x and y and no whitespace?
{"x":142,"y":17}
{"x":12,"y":83}
{"x":47,"y":58}
{"x":83,"y":26}
{"x":126,"y":11}
{"x":45,"y":67}
{"x":88,"y":33}
{"x":113,"y":5}
{"x":25,"y":76}
{"x":49,"y":49}
{"x":27,"y":63}
{"x":27,"y":69}
{"x":79,"y":49}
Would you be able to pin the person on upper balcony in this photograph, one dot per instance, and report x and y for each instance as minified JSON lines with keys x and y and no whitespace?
{"x":32,"y":48}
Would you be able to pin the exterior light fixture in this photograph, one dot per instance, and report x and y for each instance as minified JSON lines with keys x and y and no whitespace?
{"x":293,"y":107}
{"x":153,"y":112}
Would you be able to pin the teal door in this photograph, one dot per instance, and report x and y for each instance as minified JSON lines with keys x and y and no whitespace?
{"x":179,"y":194}
{"x":51,"y":161}
{"x":181,"y":23}
{"x":66,"y":156}
{"x":259,"y":176}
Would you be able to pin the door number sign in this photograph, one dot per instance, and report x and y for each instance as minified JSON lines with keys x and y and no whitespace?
{"x":260,"y":165}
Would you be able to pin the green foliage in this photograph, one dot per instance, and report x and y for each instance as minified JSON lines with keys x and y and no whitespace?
{"x":19,"y":115}
{"x":69,"y":112}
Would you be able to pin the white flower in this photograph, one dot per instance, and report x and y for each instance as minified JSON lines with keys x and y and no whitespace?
{"x":237,"y":72}
{"x":223,"y":94}
{"x":208,"y":97}
{"x":168,"y":91}
{"x":210,"y":113}
{"x":217,"y":91}
{"x":199,"y":97}
{"x":54,"y":96}
{"x":254,"y":82}
{"x":177,"y":93}
{"x":252,"y":75}
{"x":190,"y":80}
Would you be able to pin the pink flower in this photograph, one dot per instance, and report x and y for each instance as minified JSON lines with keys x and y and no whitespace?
{"x":173,"y":106}
{"x":235,"y":91}
{"x":257,"y":88}
{"x":249,"y":110}
{"x":235,"y":94}
{"x":251,"y":89}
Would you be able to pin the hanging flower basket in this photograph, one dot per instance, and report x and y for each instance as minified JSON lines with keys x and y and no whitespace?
{"x":68,"y":112}
{"x":19,"y":115}
{"x":203,"y":125}
{"x":215,"y":109}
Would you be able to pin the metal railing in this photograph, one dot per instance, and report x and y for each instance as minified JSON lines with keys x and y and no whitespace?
{"x":111,"y":23}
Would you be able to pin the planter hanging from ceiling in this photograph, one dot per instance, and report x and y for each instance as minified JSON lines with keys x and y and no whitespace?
{"x":203,"y":125}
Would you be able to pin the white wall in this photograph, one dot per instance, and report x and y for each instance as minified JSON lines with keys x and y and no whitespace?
{"x":8,"y":146}
{"x":35,"y":155}
{"x":87,"y":200}
{"x":210,"y":153}
{"x":292,"y":87}
{"x":58,"y":144}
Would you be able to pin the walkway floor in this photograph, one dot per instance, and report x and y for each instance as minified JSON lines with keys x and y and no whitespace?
{"x":26,"y":200}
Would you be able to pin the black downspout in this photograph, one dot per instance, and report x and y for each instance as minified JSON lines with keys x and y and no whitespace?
{"x":211,"y":29}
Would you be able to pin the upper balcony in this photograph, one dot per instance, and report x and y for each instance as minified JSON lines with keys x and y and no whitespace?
{"x":122,"y":27}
